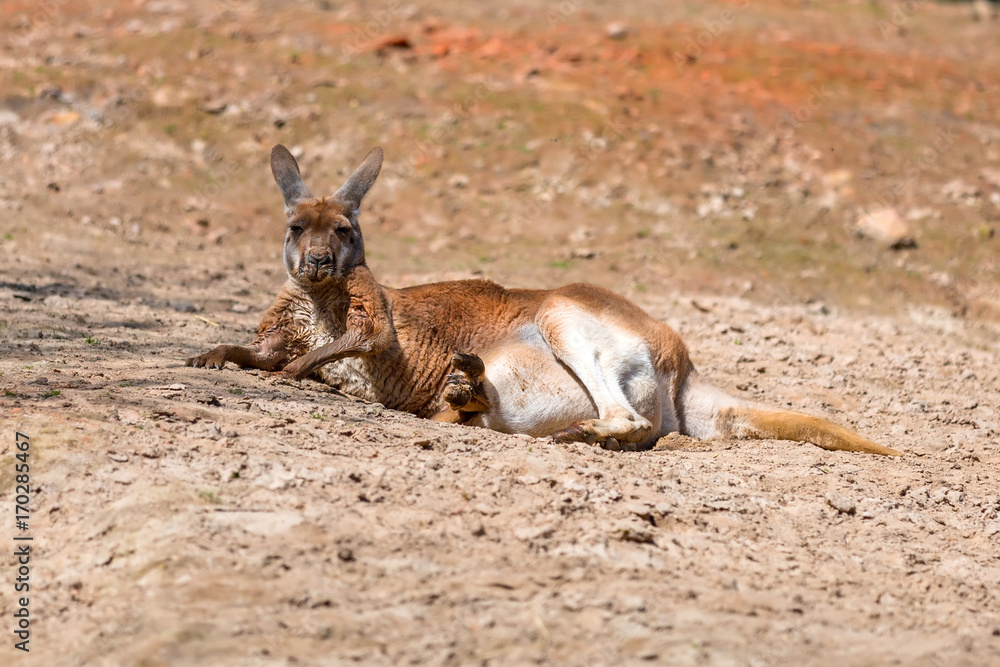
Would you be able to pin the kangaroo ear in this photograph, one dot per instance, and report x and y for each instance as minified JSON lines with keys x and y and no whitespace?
{"x":356,"y":187}
{"x":286,"y":175}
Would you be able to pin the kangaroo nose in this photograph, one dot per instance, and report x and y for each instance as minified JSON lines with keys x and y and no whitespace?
{"x":319,"y":261}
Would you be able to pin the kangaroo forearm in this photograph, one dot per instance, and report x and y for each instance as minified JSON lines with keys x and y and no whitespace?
{"x":351,"y":344}
{"x":248,"y":356}
{"x":369,"y":327}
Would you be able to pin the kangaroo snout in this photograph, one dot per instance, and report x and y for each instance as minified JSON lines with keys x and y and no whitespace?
{"x":317,"y":264}
{"x":319,"y":260}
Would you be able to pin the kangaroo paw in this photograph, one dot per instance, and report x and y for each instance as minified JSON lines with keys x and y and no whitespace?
{"x":578,"y":432}
{"x":470,"y":364}
{"x":215,"y":358}
{"x":463,"y":389}
{"x":615,"y":433}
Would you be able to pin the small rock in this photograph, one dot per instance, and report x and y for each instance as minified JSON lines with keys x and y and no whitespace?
{"x":632,"y":603}
{"x":152,"y":452}
{"x":838,"y":178}
{"x":982,"y":10}
{"x":637,"y":534}
{"x":214,"y":106}
{"x":921,"y":213}
{"x":8,"y":117}
{"x":840,"y":502}
{"x":959,"y":190}
{"x":118,"y":458}
{"x":616,"y":31}
{"x":123,"y":477}
{"x":260,"y":523}
{"x":345,"y":555}
{"x":954,"y":497}
{"x":530,"y":533}
{"x":990,"y":174}
{"x":393,"y":43}
{"x":583,"y":253}
{"x":888,"y":228}
{"x":204,"y":430}
{"x":185,"y":307}
{"x":64,"y":118}
{"x":641,"y":510}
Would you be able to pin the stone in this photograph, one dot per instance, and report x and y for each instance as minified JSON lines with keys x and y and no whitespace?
{"x":616,"y":31}
{"x":887,"y":227}
{"x":841,"y":503}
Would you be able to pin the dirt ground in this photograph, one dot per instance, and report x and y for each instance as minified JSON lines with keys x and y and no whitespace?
{"x":708,"y":159}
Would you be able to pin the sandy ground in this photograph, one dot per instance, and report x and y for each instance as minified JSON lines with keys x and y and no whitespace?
{"x":184,"y":516}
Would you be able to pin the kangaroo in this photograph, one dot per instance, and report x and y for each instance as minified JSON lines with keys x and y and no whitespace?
{"x":578,"y":363}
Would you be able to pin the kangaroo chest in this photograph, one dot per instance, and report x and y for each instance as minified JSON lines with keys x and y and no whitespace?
{"x":354,"y":375}
{"x":401,"y":378}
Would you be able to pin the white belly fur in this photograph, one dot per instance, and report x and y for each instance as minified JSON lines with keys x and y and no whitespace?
{"x":532,"y":392}
{"x":352,"y":376}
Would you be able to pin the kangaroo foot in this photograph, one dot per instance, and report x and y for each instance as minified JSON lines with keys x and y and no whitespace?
{"x":615,"y":434}
{"x":463,"y":389}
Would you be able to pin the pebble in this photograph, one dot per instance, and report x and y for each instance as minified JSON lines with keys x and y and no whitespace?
{"x":64,"y":118}
{"x":8,"y":117}
{"x":616,"y":31}
{"x":888,"y":228}
{"x":841,"y":503}
{"x":530,"y":533}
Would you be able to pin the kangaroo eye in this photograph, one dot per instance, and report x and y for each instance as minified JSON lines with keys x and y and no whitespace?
{"x":344,"y":232}
{"x":295,"y":229}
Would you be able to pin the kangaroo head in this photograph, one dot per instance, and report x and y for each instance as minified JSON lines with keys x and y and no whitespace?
{"x":323,"y":239}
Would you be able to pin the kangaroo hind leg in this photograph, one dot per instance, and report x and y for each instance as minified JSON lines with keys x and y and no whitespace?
{"x":616,"y":369}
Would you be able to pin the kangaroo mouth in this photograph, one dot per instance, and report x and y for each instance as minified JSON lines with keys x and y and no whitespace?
{"x":316,"y":274}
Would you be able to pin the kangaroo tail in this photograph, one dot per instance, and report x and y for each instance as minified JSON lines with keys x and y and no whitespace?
{"x":709,"y":412}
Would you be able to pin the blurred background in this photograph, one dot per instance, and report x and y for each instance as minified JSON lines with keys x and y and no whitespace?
{"x":837,"y":154}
